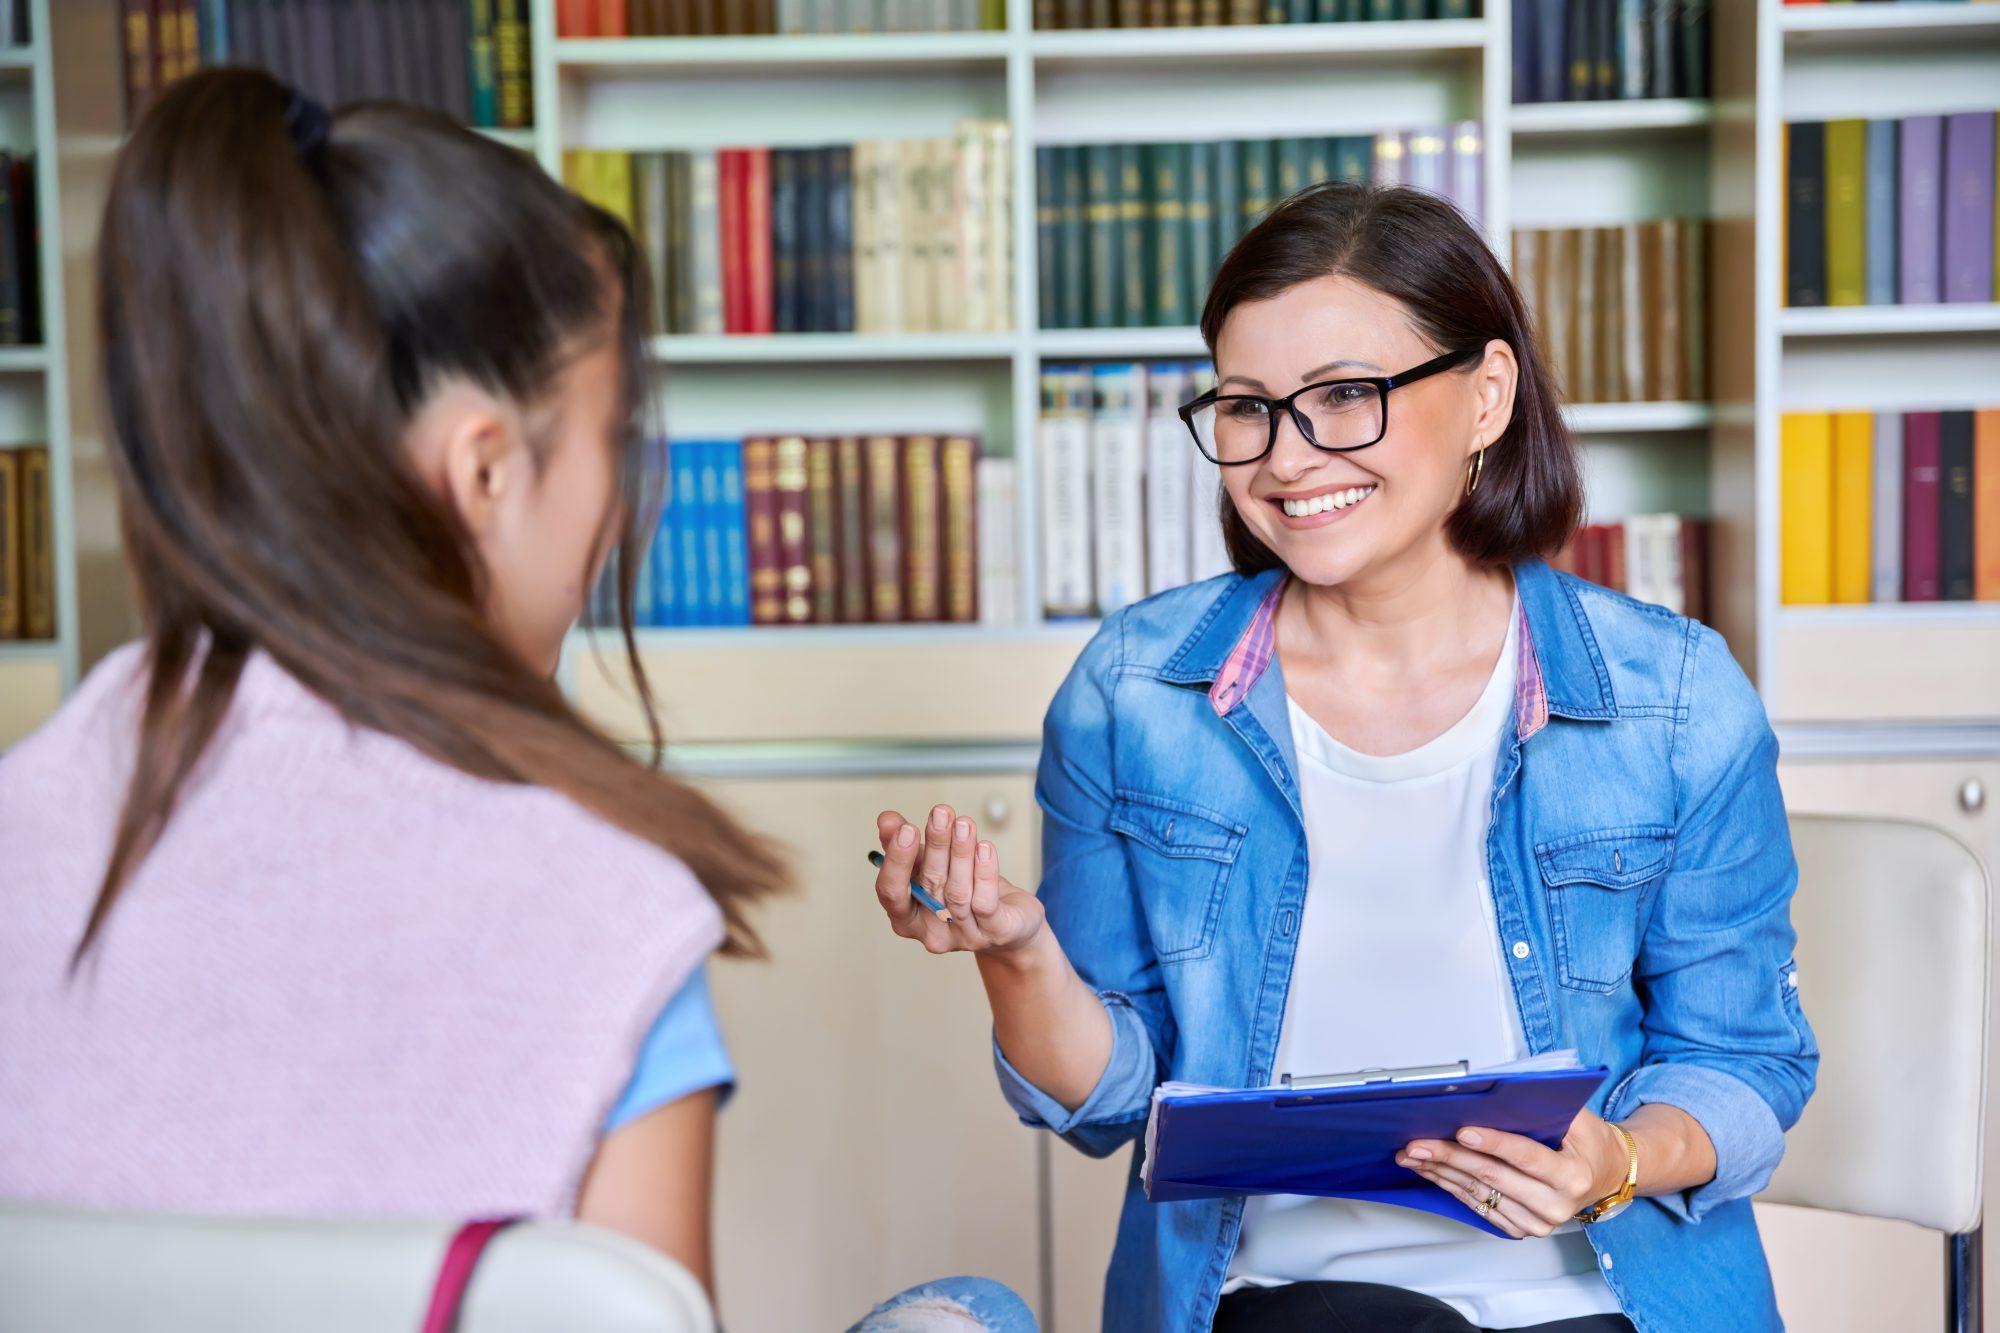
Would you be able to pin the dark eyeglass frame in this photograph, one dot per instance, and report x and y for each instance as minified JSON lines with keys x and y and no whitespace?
{"x":1287,"y":405}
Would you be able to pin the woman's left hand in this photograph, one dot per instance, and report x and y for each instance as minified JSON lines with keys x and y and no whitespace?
{"x":1540,"y":1188}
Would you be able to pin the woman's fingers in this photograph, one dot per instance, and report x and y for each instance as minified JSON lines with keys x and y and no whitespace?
{"x":886,"y":825}
{"x":957,"y":892}
{"x":1510,"y":1216}
{"x":1487,"y":1171}
{"x":900,"y":847}
{"x":936,"y":859}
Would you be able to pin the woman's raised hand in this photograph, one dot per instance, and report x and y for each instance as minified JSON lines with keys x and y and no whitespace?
{"x":947,"y":857}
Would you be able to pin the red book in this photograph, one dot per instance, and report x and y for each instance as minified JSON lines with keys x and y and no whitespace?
{"x":1614,"y":556}
{"x":1694,"y":568}
{"x":760,"y":511}
{"x":729,"y":164}
{"x":794,"y":553}
{"x":1590,"y":553}
{"x":613,"y":20}
{"x":1922,"y":460}
{"x":756,"y":239}
{"x":574,"y":18}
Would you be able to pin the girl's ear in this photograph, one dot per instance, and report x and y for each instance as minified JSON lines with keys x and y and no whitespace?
{"x":1494,"y":379}
{"x":469,"y":448}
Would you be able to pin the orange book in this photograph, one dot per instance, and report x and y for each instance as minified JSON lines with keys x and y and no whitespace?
{"x":1986,"y":504}
{"x":1853,"y":500}
{"x":1805,"y":508}
{"x":38,"y":556}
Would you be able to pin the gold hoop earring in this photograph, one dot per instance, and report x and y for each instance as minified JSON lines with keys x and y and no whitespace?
{"x":1472,"y":473}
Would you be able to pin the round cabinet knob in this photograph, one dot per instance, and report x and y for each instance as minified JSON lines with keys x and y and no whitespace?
{"x":997,"y":812}
{"x":1972,"y":796}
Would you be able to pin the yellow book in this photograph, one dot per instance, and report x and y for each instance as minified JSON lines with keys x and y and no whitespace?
{"x":1805,"y":508}
{"x":1846,"y":212}
{"x":1853,"y":500}
{"x":1986,"y":504}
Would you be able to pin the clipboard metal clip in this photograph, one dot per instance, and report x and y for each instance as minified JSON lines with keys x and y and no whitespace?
{"x":1358,"y":1077}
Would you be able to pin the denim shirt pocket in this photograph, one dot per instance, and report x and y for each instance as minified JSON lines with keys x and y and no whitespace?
{"x":1595,"y":883}
{"x":1181,"y":855}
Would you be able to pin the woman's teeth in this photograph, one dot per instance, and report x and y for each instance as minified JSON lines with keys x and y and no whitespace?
{"x":1319,"y":504}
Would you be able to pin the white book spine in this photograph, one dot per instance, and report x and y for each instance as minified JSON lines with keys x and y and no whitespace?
{"x":1639,"y":558}
{"x":1886,"y":523}
{"x":999,"y":561}
{"x":970,"y":214}
{"x":890,"y":236}
{"x":1169,"y":561}
{"x":867,"y":238}
{"x":1208,"y":553}
{"x":1669,"y":577}
{"x":940,"y":290}
{"x":705,"y":221}
{"x":918,"y":247}
{"x":791,"y":17}
{"x":1467,"y":185}
{"x":1000,"y":223}
{"x":1064,"y":438}
{"x":1118,"y":461}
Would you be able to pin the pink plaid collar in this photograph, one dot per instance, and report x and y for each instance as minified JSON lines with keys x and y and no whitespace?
{"x":1253,"y":652}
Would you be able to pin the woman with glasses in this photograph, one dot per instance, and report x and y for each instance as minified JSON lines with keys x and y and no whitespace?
{"x":1396,"y":792}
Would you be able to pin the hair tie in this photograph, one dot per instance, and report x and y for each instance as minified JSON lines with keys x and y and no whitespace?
{"x":307,"y":122}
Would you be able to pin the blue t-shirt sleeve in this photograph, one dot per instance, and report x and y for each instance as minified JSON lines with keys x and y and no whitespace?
{"x":683,"y":1053}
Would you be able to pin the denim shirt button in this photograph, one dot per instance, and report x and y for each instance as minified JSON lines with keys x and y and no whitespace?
{"x":1606,"y":1257}
{"x":1287,"y":919}
{"x":1520,"y":948}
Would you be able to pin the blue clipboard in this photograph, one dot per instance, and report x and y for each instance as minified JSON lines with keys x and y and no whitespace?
{"x":1337,"y":1136}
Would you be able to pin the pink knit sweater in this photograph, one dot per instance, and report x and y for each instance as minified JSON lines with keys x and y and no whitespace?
{"x":349,"y":980}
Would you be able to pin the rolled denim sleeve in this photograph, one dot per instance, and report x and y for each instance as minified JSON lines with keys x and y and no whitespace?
{"x":1725,"y":1039}
{"x":1094,"y":911}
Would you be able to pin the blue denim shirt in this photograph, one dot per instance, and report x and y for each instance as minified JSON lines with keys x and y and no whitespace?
{"x":1641,"y":871}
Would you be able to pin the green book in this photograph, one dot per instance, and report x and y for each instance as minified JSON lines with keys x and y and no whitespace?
{"x":1225,"y":160}
{"x":1299,"y":11}
{"x":1275,"y":11}
{"x":1101,"y":222}
{"x":1380,"y":10}
{"x":1073,"y":230}
{"x":1048,"y":236}
{"x":1134,"y":239}
{"x":485,"y":66}
{"x":1257,"y":177}
{"x":1453,"y":9}
{"x":1167,"y":168}
{"x":1319,"y":160}
{"x":1354,"y":158}
{"x":1292,"y":156}
{"x":1846,"y":212}
{"x":1201,"y":251}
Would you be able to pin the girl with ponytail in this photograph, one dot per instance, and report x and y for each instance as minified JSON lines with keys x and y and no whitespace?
{"x":321,"y":899}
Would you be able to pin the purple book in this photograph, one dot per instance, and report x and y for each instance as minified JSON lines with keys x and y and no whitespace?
{"x":1918,"y":230}
{"x":1465,"y":168}
{"x":1968,"y":206}
{"x":1922,"y":459}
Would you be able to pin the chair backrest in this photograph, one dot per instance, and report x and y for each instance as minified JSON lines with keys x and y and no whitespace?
{"x":73,"y":1271}
{"x":1894,"y":955}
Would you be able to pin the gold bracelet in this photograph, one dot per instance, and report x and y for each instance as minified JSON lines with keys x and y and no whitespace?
{"x":1624,"y":1193}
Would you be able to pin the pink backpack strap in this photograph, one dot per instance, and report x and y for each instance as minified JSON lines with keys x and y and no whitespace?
{"x":455,"y":1273}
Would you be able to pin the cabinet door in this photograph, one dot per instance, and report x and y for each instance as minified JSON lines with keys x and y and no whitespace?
{"x":1085,"y":1194}
{"x":1846,"y":1274}
{"x":867,"y":1148}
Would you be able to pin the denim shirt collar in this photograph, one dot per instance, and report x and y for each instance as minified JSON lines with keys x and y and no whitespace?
{"x":1561,"y":670}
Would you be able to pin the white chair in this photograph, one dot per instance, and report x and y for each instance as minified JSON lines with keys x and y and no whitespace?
{"x":1894,"y":929}
{"x":71,"y":1271}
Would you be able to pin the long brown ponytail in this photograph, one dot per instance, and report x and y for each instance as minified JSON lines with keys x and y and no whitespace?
{"x":271,"y":317}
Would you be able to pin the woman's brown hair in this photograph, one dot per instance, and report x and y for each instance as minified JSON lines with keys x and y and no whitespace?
{"x":275,"y":302}
{"x":1420,"y":250}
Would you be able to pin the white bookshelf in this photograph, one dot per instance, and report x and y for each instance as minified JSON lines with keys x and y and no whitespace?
{"x":34,"y":381}
{"x":1900,"y":663}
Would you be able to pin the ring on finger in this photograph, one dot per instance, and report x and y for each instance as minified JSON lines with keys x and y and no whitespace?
{"x":1492,"y":1201}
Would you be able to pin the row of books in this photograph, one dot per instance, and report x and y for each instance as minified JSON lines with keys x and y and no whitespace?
{"x":15,"y":28}
{"x":27,"y":545}
{"x":468,"y":58}
{"x":1129,"y":234}
{"x":1215,"y":13}
{"x":1890,"y":212}
{"x":751,"y":18}
{"x":1657,"y":558}
{"x":1129,"y":507}
{"x":20,"y":253}
{"x":1622,"y":311}
{"x":882,"y":236}
{"x":1889,"y":506}
{"x":796,"y":530}
{"x":1591,"y":50}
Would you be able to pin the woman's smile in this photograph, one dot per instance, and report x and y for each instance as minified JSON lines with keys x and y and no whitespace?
{"x":1317,"y":508}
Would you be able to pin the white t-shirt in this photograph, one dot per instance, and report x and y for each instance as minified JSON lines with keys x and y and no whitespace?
{"x":1399,"y":964}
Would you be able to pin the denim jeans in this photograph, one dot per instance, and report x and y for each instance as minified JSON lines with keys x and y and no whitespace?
{"x":954,"y":1303}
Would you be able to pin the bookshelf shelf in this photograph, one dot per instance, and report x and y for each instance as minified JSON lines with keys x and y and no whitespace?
{"x":17,"y":61}
{"x":754,"y":349}
{"x":1635,"y":418}
{"x":1814,"y":27}
{"x":1276,"y":41}
{"x":523,"y":139}
{"x":23,"y":360}
{"x":1638,"y":115}
{"x":846,"y":52}
{"x":1894,"y":613}
{"x":1861,"y":321}
{"x":31,"y":650}
{"x":785,"y":637}
{"x":1084,"y":344}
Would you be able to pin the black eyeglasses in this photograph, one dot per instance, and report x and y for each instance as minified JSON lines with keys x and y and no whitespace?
{"x":1334,"y":415}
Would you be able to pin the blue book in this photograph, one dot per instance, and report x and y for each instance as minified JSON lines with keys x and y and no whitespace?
{"x":1336,"y":1136}
{"x":660,"y":554}
{"x":1880,"y":196}
{"x":734,"y":530}
{"x":714,"y":604}
{"x":687,"y":529}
